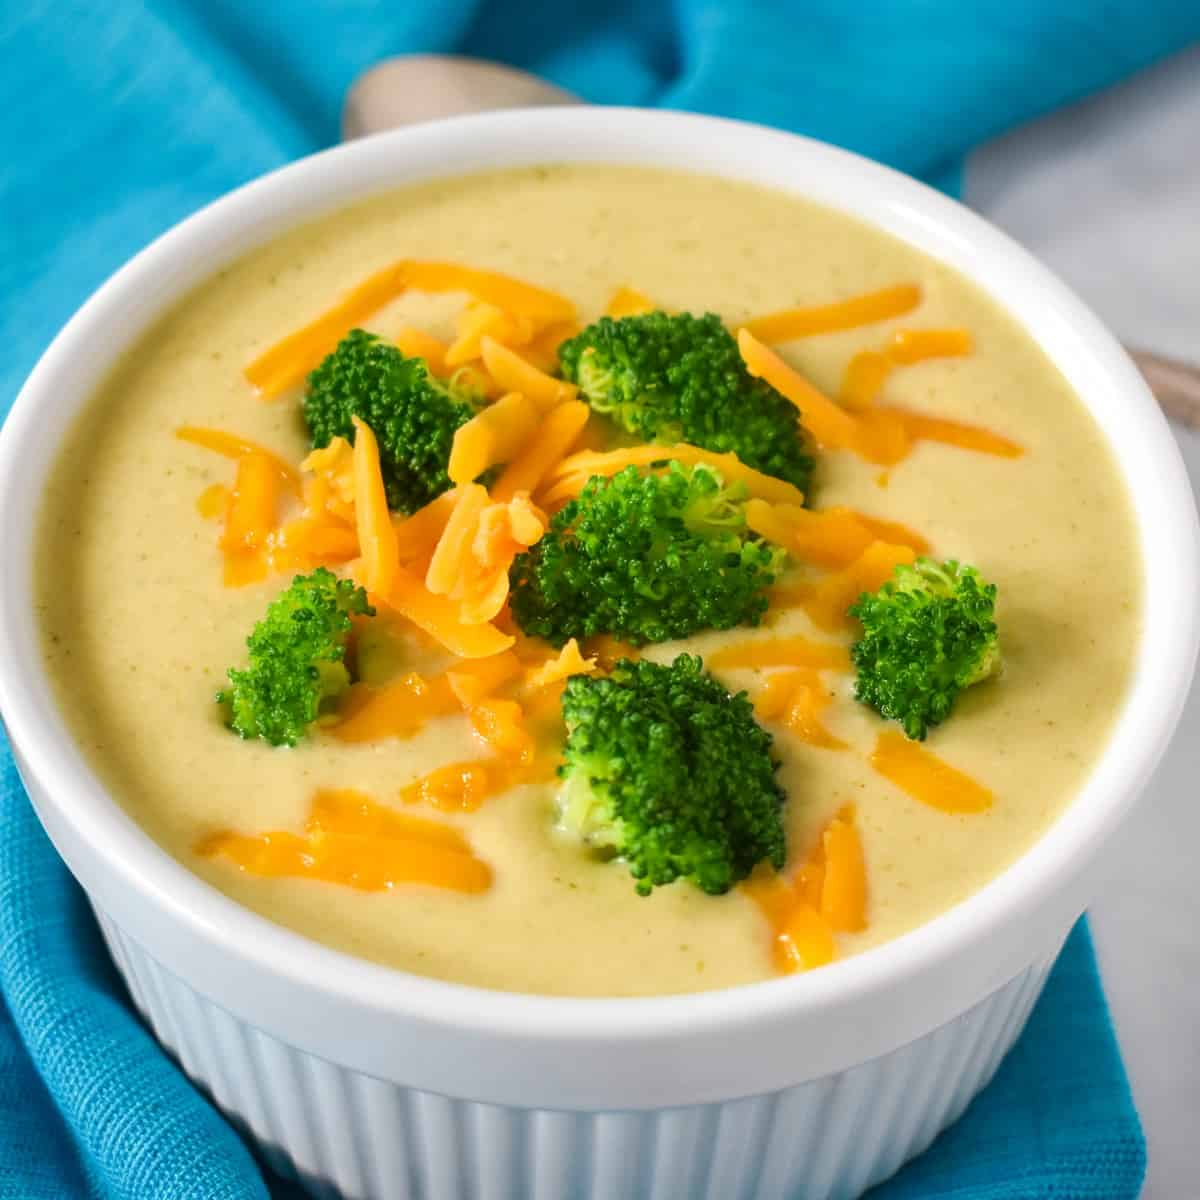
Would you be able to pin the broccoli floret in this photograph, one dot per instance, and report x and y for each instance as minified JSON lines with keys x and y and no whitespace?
{"x":413,"y":415}
{"x":297,"y":654}
{"x":668,"y":771}
{"x":647,"y":557}
{"x":927,"y":633}
{"x":678,"y":377}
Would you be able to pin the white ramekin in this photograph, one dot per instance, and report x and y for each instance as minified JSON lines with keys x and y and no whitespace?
{"x":381,"y":1084}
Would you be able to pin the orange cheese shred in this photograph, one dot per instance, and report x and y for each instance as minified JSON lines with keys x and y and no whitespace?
{"x":458,"y":786}
{"x":801,"y":939}
{"x":416,"y":343}
{"x":796,"y":699}
{"x":831,"y":426}
{"x":346,"y":810}
{"x":826,"y":601}
{"x":397,"y":709}
{"x":308,"y":542}
{"x":352,"y":841}
{"x":517,"y":374}
{"x":927,"y":778}
{"x":573,"y":472}
{"x":439,"y":617}
{"x":494,"y":435}
{"x":418,"y":534}
{"x":453,"y":547}
{"x":542,"y":306}
{"x":555,"y":436}
{"x":376,"y":537}
{"x":876,"y":433}
{"x":332,"y":466}
{"x":542,"y":352}
{"x":827,"y":894}
{"x":865,"y":375}
{"x":868,"y":370}
{"x":805,"y":941}
{"x":471,"y":562}
{"x":286,"y":363}
{"x":608,"y":650}
{"x":213,"y":501}
{"x":916,"y":345}
{"x":500,"y":724}
{"x":832,"y":537}
{"x":894,"y":532}
{"x":249,"y":520}
{"x":628,"y":302}
{"x":478,"y":678}
{"x":570,"y":661}
{"x":920,"y":427}
{"x":479,"y":321}
{"x":843,"y":902}
{"x":866,"y":309}
{"x":232,"y":445}
{"x":781,"y":652}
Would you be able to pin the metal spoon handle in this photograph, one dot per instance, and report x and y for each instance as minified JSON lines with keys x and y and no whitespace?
{"x":1175,"y":384}
{"x":423,"y":87}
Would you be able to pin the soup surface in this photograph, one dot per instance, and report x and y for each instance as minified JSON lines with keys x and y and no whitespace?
{"x":139,"y":628}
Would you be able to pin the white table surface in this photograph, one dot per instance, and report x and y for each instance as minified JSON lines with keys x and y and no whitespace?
{"x":1108,"y":193}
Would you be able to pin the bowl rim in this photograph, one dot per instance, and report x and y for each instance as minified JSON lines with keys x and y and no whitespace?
{"x":1072,"y":336}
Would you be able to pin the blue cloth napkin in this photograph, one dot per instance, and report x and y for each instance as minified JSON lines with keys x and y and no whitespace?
{"x":121,"y":118}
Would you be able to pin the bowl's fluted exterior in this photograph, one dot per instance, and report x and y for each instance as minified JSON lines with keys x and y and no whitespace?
{"x":349,"y":1134}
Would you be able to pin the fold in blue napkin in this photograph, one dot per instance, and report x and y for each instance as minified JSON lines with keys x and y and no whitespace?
{"x":122,"y":118}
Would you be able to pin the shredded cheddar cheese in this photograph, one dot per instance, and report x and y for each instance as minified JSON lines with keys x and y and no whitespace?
{"x":471,"y":561}
{"x":286,"y":363}
{"x":832,"y":537}
{"x":494,"y":435}
{"x":459,"y":786}
{"x":351,"y":840}
{"x":397,"y":709}
{"x":416,"y":343}
{"x":510,"y":370}
{"x":542,"y":453}
{"x":628,"y":302}
{"x":916,"y":345}
{"x":376,"y":537}
{"x":927,"y":778}
{"x":796,"y":699}
{"x":475,"y":680}
{"x":570,"y":661}
{"x":480,"y":320}
{"x":828,"y":600}
{"x":232,"y":445}
{"x":573,"y":472}
{"x":439,"y":617}
{"x":867,"y":309}
{"x":500,"y":724}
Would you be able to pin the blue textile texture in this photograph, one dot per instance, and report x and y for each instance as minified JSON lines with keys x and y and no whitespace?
{"x":123,"y":117}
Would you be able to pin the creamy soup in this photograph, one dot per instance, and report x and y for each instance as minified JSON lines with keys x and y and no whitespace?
{"x":139,"y":628}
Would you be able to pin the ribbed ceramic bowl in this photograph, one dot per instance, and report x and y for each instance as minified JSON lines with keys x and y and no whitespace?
{"x":375,"y":1083}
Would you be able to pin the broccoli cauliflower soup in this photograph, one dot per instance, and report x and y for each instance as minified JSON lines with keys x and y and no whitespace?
{"x":590,"y":581}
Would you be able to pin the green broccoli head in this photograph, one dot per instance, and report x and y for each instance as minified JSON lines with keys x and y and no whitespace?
{"x":413,"y":415}
{"x":927,"y":633}
{"x":671,"y":378}
{"x":668,"y":771}
{"x":297,"y":654}
{"x":647,"y":557}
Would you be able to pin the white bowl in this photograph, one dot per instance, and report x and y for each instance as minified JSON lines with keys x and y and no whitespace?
{"x":384,"y":1084}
